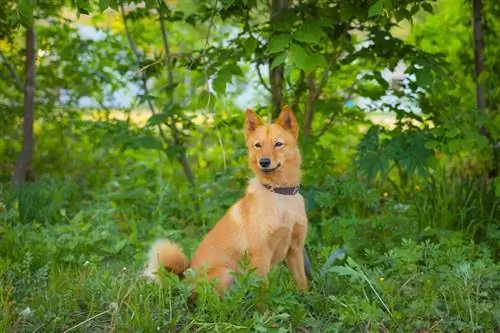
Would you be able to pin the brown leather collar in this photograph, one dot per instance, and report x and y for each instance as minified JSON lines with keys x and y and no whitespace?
{"x":283,"y":190}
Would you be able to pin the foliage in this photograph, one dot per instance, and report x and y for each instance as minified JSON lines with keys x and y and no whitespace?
{"x":409,"y":201}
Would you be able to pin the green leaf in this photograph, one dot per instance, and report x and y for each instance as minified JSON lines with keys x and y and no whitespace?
{"x":344,"y":271}
{"x":280,"y":59}
{"x":25,"y":12}
{"x":428,"y":7}
{"x":284,"y":21}
{"x":452,"y":132}
{"x":310,"y":33}
{"x":278,"y":43}
{"x":113,"y":4}
{"x":206,"y":99}
{"x":150,"y":4}
{"x":455,"y":145}
{"x":250,"y":45}
{"x":103,"y":5}
{"x":234,"y":69}
{"x":223,"y":78}
{"x":84,"y":7}
{"x":119,"y":246}
{"x":299,"y":56}
{"x":347,"y":11}
{"x":157,"y":119}
{"x":424,"y":77}
{"x":147,"y":142}
{"x":376,"y":8}
{"x":432,"y":144}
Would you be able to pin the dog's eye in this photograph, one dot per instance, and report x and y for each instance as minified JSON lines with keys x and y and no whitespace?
{"x":278,"y":144}
{"x":258,"y":145}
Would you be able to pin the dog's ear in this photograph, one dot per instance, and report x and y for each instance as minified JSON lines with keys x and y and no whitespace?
{"x":288,"y":121}
{"x":252,"y":121}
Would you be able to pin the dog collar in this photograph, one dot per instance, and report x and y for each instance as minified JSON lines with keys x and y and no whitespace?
{"x":282,"y":190}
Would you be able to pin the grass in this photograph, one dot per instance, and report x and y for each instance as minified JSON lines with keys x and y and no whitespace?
{"x":73,"y":244}
{"x":80,"y":272}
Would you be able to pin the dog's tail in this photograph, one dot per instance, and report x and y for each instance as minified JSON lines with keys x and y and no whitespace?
{"x":166,"y":254}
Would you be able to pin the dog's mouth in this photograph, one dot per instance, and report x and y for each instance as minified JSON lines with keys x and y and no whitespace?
{"x":268,"y":170}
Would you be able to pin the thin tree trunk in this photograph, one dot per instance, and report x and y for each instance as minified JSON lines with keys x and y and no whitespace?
{"x":182,"y":160}
{"x":23,"y":163}
{"x":479,"y":45}
{"x":182,"y":157}
{"x":277,"y":74}
{"x":479,"y":54}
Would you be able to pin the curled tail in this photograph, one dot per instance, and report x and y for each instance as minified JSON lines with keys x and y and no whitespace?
{"x":164,"y":253}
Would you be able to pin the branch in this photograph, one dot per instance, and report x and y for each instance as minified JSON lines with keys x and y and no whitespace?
{"x":168,"y":55}
{"x":144,"y":80}
{"x":299,"y":90}
{"x":170,"y":77}
{"x":262,"y":79}
{"x":331,"y":118}
{"x":137,"y":54}
{"x":17,"y":80}
{"x":324,"y":78}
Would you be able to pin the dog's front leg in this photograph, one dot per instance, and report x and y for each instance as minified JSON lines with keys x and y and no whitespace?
{"x":261,"y":261}
{"x":295,"y":256}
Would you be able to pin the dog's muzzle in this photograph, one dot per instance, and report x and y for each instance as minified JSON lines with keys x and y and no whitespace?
{"x":268,"y":170}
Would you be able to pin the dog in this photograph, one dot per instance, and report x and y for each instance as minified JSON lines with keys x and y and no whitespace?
{"x":269,"y":224}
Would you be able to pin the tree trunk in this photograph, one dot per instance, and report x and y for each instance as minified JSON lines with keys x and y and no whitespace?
{"x":479,"y":45}
{"x":277,"y":74}
{"x":479,"y":54}
{"x":23,"y":163}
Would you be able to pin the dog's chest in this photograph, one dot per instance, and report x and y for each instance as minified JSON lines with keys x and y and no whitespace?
{"x":289,"y":210}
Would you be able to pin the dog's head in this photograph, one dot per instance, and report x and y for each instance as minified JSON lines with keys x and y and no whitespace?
{"x":273,"y":152}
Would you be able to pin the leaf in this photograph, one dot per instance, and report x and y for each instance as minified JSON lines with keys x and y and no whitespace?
{"x":206,"y":99}
{"x":280,"y":59}
{"x":84,"y":7}
{"x":284,"y":21}
{"x":318,"y":60}
{"x":234,"y":69}
{"x":454,"y":145}
{"x":452,"y":132}
{"x":25,"y":12}
{"x":250,"y":45}
{"x":150,"y":4}
{"x":432,"y":144}
{"x":157,"y":119}
{"x":113,"y":4}
{"x":220,"y":82}
{"x":119,"y":246}
{"x":278,"y":43}
{"x":103,"y":5}
{"x":298,"y":56}
{"x":310,"y":33}
{"x":424,"y":78}
{"x":147,"y":142}
{"x":376,"y":8}
{"x":428,"y":7}
{"x":344,"y":271}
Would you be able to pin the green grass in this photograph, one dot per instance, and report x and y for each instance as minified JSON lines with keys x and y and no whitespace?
{"x":73,"y":244}
{"x":81,"y":272}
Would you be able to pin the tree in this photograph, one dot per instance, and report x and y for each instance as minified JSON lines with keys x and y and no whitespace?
{"x":24,"y":161}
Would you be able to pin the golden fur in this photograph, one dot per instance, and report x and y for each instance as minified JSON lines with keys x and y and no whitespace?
{"x":267,"y":226}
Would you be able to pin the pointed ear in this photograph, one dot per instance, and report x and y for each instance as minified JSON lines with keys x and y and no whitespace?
{"x":252,"y":121}
{"x":288,"y":121}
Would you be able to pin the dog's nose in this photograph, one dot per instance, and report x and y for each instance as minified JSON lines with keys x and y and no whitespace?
{"x":265,"y":162}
